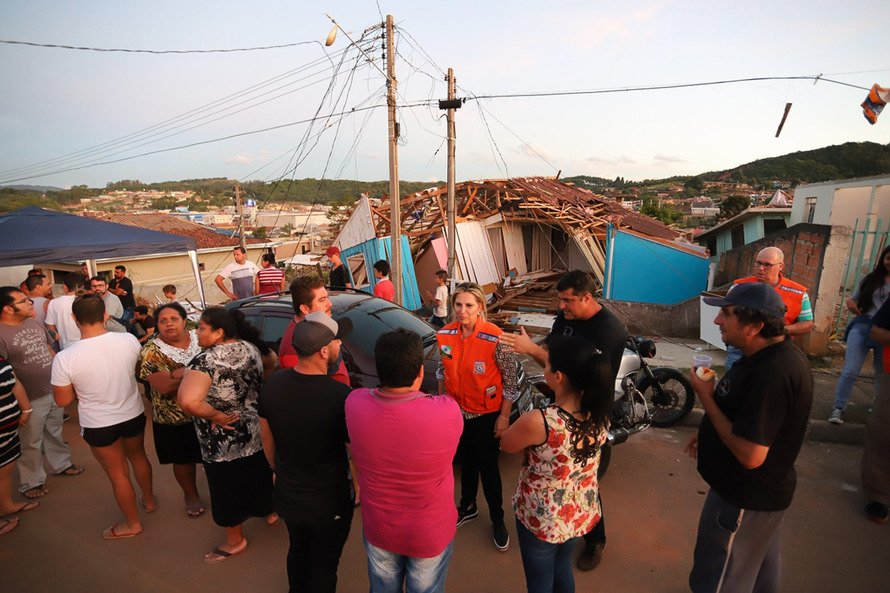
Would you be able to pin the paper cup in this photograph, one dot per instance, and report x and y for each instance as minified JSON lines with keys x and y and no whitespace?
{"x":701,"y":360}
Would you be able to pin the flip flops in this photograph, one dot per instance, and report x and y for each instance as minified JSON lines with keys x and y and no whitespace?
{"x":36,"y":492}
{"x":149,"y":509}
{"x":71,"y":470}
{"x":110,"y":533}
{"x":28,"y":506}
{"x":194,"y":510}
{"x":219,"y":555}
{"x":7,"y":526}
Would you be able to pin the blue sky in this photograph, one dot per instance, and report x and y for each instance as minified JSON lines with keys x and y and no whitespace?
{"x":57,"y":102}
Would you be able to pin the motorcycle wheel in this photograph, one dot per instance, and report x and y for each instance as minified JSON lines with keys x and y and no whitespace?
{"x":605,"y":460}
{"x":671,"y":399}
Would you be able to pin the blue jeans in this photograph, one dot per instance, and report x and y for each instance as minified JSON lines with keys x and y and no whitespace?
{"x":548,"y":567}
{"x":393,"y":573}
{"x":733,"y":355}
{"x":858,"y":345}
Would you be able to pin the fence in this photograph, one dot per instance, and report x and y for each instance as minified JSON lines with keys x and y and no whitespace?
{"x":865,"y":245}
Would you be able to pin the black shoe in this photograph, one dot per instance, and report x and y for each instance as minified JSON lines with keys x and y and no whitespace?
{"x":590,"y":557}
{"x":500,"y":536}
{"x":876,"y":512}
{"x":465,"y":515}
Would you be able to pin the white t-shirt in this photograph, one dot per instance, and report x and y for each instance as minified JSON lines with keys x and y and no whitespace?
{"x":441,"y":310}
{"x":102,"y":371}
{"x":59,"y":314}
{"x":241,"y":276}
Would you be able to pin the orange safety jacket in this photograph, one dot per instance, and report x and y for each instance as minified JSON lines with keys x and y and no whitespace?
{"x":790,"y":292}
{"x":472,"y":376}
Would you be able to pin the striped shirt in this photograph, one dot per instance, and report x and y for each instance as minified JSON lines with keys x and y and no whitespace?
{"x":270,"y":280}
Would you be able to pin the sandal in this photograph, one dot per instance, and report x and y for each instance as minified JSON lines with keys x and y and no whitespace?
{"x":28,"y":506}
{"x":71,"y":470}
{"x":218,"y":555}
{"x":149,"y":509}
{"x":194,"y":510}
{"x":110,"y":533}
{"x":7,"y":526}
{"x":36,"y":492}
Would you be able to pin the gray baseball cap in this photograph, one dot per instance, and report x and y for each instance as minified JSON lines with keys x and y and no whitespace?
{"x":316,"y":331}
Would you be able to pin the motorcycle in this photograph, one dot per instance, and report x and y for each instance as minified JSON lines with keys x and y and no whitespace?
{"x":644,"y":396}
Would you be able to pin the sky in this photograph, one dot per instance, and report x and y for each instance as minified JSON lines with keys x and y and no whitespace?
{"x":65,"y":113}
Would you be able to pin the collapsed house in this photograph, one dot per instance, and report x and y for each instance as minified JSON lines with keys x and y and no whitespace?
{"x":514,"y":237}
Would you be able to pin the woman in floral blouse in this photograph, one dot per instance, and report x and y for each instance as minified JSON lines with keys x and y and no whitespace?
{"x":556,"y":499}
{"x":220,"y":389}
{"x":162,"y":363}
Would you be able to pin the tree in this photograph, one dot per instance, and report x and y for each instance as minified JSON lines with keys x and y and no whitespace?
{"x":288,"y":229}
{"x":666,"y":214}
{"x":260,"y":232}
{"x":694,"y":184}
{"x":732,"y":206}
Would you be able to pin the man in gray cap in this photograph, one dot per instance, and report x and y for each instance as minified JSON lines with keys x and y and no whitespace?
{"x":303,"y":427}
{"x":747,"y":443}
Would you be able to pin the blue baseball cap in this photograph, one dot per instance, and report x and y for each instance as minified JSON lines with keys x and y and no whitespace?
{"x":754,"y":295}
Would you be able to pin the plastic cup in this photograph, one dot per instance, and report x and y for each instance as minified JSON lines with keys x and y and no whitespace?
{"x":701,"y":360}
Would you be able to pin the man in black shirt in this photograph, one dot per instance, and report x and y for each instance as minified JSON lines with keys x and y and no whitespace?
{"x":303,"y":427}
{"x":583,"y":316}
{"x":747,"y":443}
{"x":122,"y":286}
{"x":339,"y":278}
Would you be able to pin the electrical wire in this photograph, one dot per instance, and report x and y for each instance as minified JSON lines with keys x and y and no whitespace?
{"x":157,"y":51}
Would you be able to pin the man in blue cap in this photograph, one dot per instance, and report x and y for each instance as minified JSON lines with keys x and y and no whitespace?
{"x":747,"y":443}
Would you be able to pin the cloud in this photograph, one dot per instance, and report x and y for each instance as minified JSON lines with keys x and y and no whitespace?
{"x":661,"y":159}
{"x":532,"y":151}
{"x":238,"y":159}
{"x":622,"y":159}
{"x":593,"y":27}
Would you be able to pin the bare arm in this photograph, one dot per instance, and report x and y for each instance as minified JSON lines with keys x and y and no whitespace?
{"x":799,"y":328}
{"x":528,"y":431}
{"x":220,"y":282}
{"x":750,"y":454}
{"x":880,"y":335}
{"x":18,"y":390}
{"x":64,"y":394}
{"x":148,"y":334}
{"x":852,"y":306}
{"x":268,"y":442}
{"x":283,"y":286}
{"x":256,"y":284}
{"x":166,"y":382}
{"x":192,"y":397}
{"x":523,"y":344}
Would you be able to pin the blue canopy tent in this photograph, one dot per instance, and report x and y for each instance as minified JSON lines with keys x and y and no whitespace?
{"x":34,"y":235}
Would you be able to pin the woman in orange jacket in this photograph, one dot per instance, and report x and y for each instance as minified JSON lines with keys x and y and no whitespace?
{"x":478,"y":372}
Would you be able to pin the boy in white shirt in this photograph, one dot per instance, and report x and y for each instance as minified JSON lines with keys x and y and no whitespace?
{"x":440,"y":299}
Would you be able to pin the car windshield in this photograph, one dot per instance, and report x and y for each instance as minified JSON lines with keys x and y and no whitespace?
{"x":373,"y":318}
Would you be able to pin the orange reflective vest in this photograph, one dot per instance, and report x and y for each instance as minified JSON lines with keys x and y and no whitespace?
{"x":472,"y":376}
{"x":791,"y":293}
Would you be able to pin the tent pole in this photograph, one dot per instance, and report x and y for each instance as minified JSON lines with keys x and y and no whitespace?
{"x":91,"y":268}
{"x":193,"y":257}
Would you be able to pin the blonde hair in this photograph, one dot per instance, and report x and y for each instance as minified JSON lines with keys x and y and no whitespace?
{"x":473,"y":289}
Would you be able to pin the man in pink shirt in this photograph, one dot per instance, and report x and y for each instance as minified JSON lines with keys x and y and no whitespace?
{"x":384,"y":287}
{"x":402,"y":445}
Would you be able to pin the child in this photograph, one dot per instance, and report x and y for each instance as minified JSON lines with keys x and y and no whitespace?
{"x":169,"y":292}
{"x":384,"y":288}
{"x":440,"y":299}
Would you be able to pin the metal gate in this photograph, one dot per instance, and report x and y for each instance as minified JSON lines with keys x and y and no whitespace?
{"x":866,"y":244}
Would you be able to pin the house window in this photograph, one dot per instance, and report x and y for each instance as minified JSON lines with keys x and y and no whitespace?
{"x":809,"y":209}
{"x":773,"y":225}
{"x":358,"y":269}
{"x":201,"y":266}
{"x":738,"y":236}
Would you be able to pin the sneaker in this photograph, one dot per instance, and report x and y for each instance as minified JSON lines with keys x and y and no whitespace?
{"x":876,"y":512}
{"x":837,"y":416}
{"x":590,"y":557}
{"x":465,"y":515}
{"x":500,"y":536}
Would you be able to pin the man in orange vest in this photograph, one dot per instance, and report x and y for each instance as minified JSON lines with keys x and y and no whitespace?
{"x":768,"y":266}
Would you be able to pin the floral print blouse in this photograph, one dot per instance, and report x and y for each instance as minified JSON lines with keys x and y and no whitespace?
{"x":159,"y":356}
{"x":556,"y":498}
{"x":236,"y":374}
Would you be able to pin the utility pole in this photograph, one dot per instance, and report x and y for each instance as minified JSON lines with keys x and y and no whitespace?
{"x":239,"y":208}
{"x":452,"y":231}
{"x":394,"y":196}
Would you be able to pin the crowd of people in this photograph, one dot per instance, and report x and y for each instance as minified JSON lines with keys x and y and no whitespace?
{"x":283,"y":437}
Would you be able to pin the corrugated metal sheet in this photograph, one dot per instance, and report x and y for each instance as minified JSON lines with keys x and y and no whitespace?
{"x":377,"y":249}
{"x":474,"y":253}
{"x":358,"y":228}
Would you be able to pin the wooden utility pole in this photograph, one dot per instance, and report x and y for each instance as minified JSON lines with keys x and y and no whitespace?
{"x":239,"y":208}
{"x":452,"y":231}
{"x":394,"y":196}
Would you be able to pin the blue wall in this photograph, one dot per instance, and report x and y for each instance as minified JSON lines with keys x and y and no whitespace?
{"x":377,"y":249}
{"x":645,"y":271}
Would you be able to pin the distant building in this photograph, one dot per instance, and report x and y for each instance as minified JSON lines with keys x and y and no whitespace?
{"x":750,"y":225}
{"x":843,"y":202}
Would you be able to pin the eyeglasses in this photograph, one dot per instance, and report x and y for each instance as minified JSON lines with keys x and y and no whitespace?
{"x":764,"y":264}
{"x":23,"y":301}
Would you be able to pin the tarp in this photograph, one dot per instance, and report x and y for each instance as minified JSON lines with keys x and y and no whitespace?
{"x":33,"y":235}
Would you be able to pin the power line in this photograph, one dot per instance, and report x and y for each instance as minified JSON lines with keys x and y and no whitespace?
{"x":157,"y":51}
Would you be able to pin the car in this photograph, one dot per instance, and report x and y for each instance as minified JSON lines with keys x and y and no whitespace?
{"x":371,"y":317}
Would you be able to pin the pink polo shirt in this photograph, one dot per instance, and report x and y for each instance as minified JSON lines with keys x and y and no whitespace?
{"x":403,"y":446}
